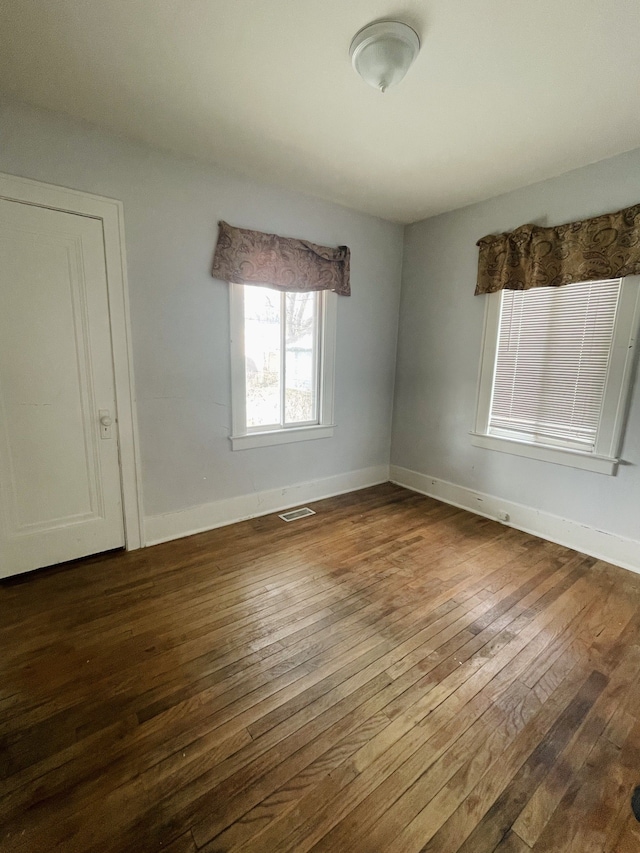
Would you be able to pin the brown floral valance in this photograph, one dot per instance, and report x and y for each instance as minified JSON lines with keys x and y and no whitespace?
{"x":253,"y":257}
{"x":606,"y":246}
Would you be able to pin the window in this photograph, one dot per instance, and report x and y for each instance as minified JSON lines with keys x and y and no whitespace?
{"x":282,"y":352}
{"x":555,"y":372}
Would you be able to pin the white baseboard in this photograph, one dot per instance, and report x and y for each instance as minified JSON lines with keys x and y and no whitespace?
{"x":597,"y":543}
{"x":196,"y":519}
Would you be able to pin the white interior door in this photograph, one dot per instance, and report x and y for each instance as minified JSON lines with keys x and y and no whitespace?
{"x":60,"y":490}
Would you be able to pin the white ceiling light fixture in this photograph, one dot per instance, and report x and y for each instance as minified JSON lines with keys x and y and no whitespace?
{"x":383,"y":52}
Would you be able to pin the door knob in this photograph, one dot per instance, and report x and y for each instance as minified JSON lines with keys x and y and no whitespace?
{"x":105,"y":423}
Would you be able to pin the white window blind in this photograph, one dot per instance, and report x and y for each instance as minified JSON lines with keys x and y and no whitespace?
{"x":554,"y":348}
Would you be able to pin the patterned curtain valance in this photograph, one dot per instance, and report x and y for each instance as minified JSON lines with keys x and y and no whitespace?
{"x":606,"y":246}
{"x":253,"y":257}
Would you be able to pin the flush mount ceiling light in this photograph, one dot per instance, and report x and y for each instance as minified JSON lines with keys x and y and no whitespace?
{"x":382,"y":53}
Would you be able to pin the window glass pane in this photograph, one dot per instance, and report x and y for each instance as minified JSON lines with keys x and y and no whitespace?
{"x":301,"y":357}
{"x":262,"y":346}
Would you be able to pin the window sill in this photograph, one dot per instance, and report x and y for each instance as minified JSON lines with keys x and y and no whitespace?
{"x":546,"y":453}
{"x":280,"y":436}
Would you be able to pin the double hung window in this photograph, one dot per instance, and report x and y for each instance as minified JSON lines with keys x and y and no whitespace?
{"x":282,"y":365}
{"x":555,"y":372}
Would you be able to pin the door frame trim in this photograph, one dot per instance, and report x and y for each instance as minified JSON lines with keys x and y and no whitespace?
{"x":111,"y":213}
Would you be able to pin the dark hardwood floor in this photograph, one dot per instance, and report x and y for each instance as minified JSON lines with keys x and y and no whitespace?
{"x":391,"y":674}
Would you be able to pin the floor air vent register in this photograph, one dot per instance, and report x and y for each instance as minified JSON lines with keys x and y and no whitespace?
{"x":295,"y":514}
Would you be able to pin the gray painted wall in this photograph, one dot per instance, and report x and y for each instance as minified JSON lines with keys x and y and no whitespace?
{"x":180,"y":325}
{"x":180,"y":314}
{"x":440,"y":335}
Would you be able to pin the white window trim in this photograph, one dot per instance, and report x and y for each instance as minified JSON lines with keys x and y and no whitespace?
{"x":243,"y":439}
{"x":604,"y":458}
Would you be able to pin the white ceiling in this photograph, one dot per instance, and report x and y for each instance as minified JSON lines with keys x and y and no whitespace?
{"x":503,"y":93}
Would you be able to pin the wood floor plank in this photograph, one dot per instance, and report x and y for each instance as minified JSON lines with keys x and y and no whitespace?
{"x":462,"y":685}
{"x":512,"y":843}
{"x":407,"y":738}
{"x":597,"y":801}
{"x":497,"y":821}
{"x":542,"y":805}
{"x":407,"y":824}
{"x":392,"y":674}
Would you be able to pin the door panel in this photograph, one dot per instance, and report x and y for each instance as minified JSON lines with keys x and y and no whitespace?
{"x":60,"y":495}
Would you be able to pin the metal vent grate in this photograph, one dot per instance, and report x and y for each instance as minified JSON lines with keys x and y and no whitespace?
{"x":295,"y":514}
